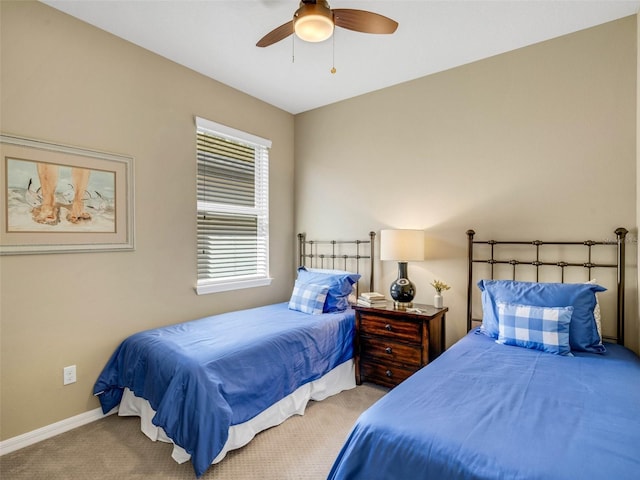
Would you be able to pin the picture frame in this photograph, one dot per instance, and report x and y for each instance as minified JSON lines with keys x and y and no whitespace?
{"x":63,"y":199}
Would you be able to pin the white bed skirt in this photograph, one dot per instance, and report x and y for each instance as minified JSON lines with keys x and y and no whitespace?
{"x":340,"y":378}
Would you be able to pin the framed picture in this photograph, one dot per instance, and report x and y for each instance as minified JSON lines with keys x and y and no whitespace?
{"x":63,"y":199}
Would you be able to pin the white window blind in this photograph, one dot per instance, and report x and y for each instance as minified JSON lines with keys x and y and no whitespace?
{"x":233,"y":208}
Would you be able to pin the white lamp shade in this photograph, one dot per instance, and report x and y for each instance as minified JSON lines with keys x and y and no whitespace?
{"x":402,"y":245}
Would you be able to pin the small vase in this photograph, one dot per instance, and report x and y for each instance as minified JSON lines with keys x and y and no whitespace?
{"x":437,"y":300}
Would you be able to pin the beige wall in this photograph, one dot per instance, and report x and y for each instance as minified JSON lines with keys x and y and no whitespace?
{"x":638,"y":143}
{"x":65,"y":81}
{"x":538,"y":142}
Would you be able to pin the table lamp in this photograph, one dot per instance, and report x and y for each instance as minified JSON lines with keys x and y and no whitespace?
{"x":402,"y":246}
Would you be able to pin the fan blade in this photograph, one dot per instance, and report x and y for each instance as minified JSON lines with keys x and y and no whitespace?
{"x":363,"y":21}
{"x":283,"y":31}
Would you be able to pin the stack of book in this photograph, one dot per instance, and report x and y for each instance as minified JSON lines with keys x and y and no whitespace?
{"x":372,"y":299}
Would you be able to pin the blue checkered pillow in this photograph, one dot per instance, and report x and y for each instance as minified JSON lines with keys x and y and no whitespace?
{"x":539,"y":328}
{"x":308,"y":298}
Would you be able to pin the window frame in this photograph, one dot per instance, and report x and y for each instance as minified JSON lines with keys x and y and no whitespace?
{"x":260,"y":208}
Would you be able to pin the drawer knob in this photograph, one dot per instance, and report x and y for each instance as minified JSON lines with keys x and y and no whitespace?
{"x":389,"y":373}
{"x":388,"y":350}
{"x":387,"y":327}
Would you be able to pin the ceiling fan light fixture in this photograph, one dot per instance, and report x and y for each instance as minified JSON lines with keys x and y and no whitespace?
{"x":313,"y":23}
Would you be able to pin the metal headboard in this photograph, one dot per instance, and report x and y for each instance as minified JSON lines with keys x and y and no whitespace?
{"x":619,"y":244}
{"x":338,"y":254}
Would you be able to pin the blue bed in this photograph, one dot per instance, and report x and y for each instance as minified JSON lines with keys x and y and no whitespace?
{"x":531,"y":393}
{"x":202,"y":377}
{"x":559,"y":417}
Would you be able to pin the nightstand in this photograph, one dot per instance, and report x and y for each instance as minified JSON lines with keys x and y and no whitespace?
{"x":392,"y":344}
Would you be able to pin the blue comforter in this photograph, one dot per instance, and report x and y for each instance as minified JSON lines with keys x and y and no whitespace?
{"x":489,"y":411}
{"x":203,"y":376}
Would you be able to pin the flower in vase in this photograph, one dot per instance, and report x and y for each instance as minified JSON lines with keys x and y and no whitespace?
{"x":439,"y":286}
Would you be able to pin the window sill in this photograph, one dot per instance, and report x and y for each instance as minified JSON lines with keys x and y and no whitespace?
{"x":206,"y":288}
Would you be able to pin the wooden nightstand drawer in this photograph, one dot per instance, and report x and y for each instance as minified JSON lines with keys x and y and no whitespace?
{"x":371,"y":324}
{"x":386,"y":350}
{"x":388,"y":375}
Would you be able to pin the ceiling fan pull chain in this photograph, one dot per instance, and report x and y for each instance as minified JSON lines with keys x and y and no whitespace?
{"x":293,"y":49}
{"x":333,"y":54}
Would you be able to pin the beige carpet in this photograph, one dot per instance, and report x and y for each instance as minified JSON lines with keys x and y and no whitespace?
{"x":302,"y":448}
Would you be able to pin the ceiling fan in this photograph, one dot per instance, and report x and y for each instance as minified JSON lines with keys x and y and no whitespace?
{"x":314,"y":21}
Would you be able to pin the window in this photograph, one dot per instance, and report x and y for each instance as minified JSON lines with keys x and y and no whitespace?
{"x":233,"y":208}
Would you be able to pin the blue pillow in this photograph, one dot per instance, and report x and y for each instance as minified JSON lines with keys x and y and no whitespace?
{"x":308,"y":298}
{"x":340,"y":286}
{"x":583,"y":332}
{"x":539,"y":328}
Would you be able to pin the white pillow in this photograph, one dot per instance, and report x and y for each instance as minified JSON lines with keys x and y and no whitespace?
{"x":596,"y":311}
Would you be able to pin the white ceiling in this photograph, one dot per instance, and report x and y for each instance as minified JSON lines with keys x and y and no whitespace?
{"x":217,"y":38}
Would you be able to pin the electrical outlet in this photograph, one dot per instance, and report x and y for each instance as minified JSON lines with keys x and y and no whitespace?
{"x":69,"y":375}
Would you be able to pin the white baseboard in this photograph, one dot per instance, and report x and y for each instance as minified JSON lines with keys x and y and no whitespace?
{"x":35,"y":436}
